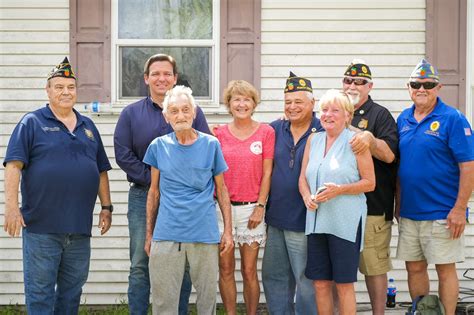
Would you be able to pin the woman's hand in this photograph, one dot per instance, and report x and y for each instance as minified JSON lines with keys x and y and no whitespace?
{"x":332,"y":190}
{"x":256,"y":218}
{"x":309,"y":201}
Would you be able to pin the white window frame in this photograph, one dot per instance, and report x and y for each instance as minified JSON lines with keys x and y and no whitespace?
{"x":213,"y":43}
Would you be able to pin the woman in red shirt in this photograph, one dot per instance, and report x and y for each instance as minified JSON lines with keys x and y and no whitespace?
{"x":248,"y":148}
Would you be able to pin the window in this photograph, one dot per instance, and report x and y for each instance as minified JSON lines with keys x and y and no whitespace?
{"x":184,"y":29}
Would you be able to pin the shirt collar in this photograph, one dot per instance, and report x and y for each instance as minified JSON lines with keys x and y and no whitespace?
{"x":437,"y":111}
{"x":48,"y":114}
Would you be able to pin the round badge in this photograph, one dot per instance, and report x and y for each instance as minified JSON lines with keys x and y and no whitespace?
{"x":256,"y":147}
{"x":302,"y":82}
{"x":422,"y":72}
{"x":361,"y":112}
{"x":364,"y":69}
{"x":313,"y":130}
{"x":353,"y":71}
{"x":290,"y":86}
{"x":434,"y":126}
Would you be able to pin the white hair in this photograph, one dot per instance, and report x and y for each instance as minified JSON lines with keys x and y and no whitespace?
{"x":173,"y":94}
{"x":309,"y":95}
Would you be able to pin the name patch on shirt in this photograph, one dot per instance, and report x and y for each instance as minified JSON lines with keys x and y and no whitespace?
{"x":48,"y":129}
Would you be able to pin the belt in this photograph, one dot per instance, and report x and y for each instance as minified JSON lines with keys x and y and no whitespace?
{"x":139,"y":186}
{"x":242,"y":203}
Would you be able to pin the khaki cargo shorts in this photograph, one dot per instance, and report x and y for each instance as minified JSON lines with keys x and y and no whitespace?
{"x":375,"y":257}
{"x":430,"y":241}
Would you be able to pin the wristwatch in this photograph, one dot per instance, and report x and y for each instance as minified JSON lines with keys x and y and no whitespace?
{"x":261,"y":205}
{"x":110,"y":208}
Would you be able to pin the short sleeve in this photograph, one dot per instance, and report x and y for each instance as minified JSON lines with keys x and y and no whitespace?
{"x":150,"y":154}
{"x":386,"y":130}
{"x":461,"y":140}
{"x":103,"y":163}
{"x":269,"y":143}
{"x":20,"y":142}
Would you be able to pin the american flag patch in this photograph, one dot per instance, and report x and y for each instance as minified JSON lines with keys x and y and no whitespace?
{"x":467,"y":131}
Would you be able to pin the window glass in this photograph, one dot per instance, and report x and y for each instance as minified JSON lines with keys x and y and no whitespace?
{"x":165,"y":19}
{"x":193,"y":69}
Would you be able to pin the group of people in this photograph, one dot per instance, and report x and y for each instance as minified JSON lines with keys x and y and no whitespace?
{"x":318,"y":193}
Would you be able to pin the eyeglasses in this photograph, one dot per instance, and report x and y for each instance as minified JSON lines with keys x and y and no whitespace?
{"x":349,"y":81}
{"x":292,"y":157}
{"x":426,"y":85}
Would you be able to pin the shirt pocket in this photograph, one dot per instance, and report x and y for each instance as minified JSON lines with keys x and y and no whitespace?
{"x":200,"y":177}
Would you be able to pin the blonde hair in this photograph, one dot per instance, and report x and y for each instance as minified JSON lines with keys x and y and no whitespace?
{"x":173,"y":94}
{"x":338,"y":97}
{"x":240,"y":87}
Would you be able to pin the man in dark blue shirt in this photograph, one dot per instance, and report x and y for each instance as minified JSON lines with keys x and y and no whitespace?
{"x":59,"y":156}
{"x":139,"y":124}
{"x":284,"y":260}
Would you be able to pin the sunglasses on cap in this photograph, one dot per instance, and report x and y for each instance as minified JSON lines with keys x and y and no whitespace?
{"x":426,"y":85}
{"x":357,"y":81}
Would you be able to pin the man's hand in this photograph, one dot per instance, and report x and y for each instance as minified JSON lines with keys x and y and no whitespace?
{"x":13,"y":222}
{"x":362,"y":141}
{"x":456,"y":222}
{"x":227,"y":244}
{"x":105,"y":221}
{"x":148,"y":245}
{"x":256,"y":218}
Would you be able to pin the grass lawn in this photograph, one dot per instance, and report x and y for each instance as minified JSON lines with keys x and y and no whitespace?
{"x":118,"y":309}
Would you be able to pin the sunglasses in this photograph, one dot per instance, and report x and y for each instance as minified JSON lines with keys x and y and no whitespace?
{"x":426,"y":85}
{"x":349,"y":81}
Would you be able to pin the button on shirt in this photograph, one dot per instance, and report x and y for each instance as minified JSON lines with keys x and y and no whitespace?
{"x":285,"y":208}
{"x":138,"y":124}
{"x":60,"y":178}
{"x":430,"y":151}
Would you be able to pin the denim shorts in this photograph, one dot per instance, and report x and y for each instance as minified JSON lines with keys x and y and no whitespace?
{"x":333,"y":258}
{"x":240,"y":218}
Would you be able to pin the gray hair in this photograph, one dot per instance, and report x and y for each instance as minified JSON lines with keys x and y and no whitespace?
{"x":178,"y":90}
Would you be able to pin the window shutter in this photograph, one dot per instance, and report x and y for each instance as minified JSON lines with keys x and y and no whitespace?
{"x":446,"y":47}
{"x":90,"y":48}
{"x":240,"y":41}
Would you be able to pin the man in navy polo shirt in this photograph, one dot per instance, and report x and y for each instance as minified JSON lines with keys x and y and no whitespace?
{"x":436,"y":178}
{"x":139,"y":124}
{"x":284,"y":259}
{"x":59,"y":157}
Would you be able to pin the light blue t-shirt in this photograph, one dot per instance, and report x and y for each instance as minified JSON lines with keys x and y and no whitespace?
{"x":339,"y":216}
{"x":187,"y":211}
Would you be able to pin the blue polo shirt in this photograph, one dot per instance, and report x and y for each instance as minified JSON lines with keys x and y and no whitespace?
{"x":285,"y":207}
{"x":138,"y":124}
{"x":60,"y":178}
{"x":429,"y":155}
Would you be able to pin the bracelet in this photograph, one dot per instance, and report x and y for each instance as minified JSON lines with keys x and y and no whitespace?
{"x":260,"y":205}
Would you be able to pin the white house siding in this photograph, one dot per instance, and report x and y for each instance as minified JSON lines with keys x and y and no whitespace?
{"x":316,"y":39}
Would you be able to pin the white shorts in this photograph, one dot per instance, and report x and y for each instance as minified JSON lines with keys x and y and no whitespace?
{"x":240,"y":218}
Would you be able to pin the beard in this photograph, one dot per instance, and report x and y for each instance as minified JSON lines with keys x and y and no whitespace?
{"x":354,"y":99}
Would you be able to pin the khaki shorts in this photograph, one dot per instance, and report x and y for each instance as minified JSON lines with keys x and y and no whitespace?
{"x":375,"y":257}
{"x":430,"y":241}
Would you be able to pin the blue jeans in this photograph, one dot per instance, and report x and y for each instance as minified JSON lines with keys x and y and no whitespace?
{"x":139,"y":279}
{"x":283,"y":267}
{"x":55,"y":268}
